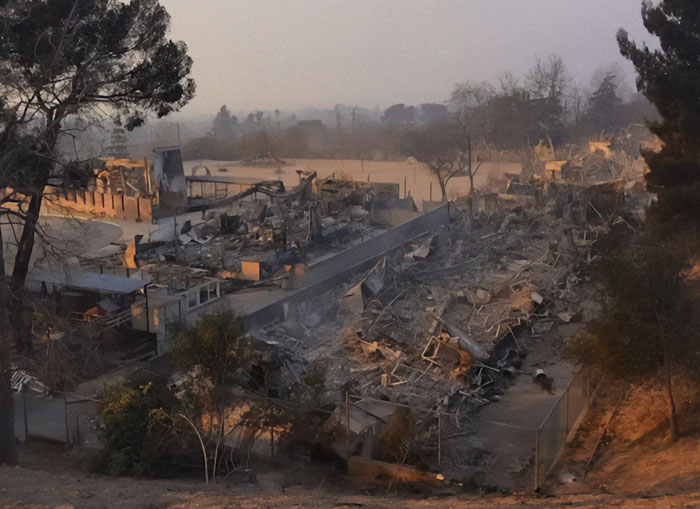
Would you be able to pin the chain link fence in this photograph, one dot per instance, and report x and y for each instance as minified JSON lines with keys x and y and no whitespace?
{"x":496,"y":453}
{"x":523,"y":455}
{"x":562,"y":420}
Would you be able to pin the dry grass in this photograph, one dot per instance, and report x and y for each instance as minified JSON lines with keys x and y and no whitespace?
{"x":650,"y":474}
{"x":636,"y":455}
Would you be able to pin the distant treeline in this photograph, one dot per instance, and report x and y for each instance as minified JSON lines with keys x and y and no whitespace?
{"x":512,"y":114}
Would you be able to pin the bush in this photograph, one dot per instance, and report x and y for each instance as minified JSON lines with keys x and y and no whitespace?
{"x":217,"y":344}
{"x":137,"y":430}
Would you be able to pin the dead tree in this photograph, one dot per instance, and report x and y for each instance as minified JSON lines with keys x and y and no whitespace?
{"x":445,"y":167}
{"x":470,"y":169}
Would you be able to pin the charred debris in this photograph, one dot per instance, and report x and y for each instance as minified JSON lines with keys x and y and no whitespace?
{"x":258,"y":234}
{"x":438,"y":328}
{"x":441,"y":327}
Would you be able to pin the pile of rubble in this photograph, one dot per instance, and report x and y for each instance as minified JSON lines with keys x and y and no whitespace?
{"x":442,"y":326}
{"x":443,"y":308}
{"x":287,"y":229}
{"x":437,"y":329}
{"x":252,"y":231}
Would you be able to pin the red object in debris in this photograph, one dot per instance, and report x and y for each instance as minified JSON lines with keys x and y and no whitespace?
{"x":93,"y":313}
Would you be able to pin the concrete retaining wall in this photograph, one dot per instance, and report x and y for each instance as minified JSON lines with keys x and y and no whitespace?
{"x":332,"y":271}
{"x":45,"y":418}
{"x":55,"y":419}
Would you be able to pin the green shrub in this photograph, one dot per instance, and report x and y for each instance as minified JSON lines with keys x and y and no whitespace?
{"x":217,"y":344}
{"x":138,"y":429}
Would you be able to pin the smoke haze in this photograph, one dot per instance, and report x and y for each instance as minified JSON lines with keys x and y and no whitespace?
{"x":289,"y":55}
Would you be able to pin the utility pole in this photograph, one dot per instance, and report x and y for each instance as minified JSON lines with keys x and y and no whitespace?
{"x":471,"y":176}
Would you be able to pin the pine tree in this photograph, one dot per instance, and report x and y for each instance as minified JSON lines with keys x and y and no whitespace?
{"x":670,"y":78}
{"x":61,"y":60}
{"x":224,"y":126}
{"x":603,"y":105}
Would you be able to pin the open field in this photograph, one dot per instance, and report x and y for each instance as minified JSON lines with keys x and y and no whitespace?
{"x":413,"y":178}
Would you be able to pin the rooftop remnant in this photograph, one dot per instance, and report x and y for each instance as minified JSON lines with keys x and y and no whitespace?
{"x":87,"y":281}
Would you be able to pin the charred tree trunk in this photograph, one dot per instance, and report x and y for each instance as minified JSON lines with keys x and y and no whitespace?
{"x":8,"y":448}
{"x":471,"y":174}
{"x":443,"y":188}
{"x":668,"y":379}
{"x":471,"y":178}
{"x":672,"y":412}
{"x":20,"y":324}
{"x":26,"y":241}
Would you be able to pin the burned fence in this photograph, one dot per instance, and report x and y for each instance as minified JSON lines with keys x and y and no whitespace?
{"x":492,"y":453}
{"x":528,"y":455}
{"x":560,"y":423}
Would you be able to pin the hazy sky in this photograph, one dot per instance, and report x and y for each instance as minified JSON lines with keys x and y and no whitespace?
{"x":258,"y":54}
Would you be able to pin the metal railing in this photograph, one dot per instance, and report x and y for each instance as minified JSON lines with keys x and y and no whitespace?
{"x":96,"y":324}
{"x":105,"y":322}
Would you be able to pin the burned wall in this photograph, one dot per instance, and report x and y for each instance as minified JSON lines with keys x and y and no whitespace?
{"x":94,"y":203}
